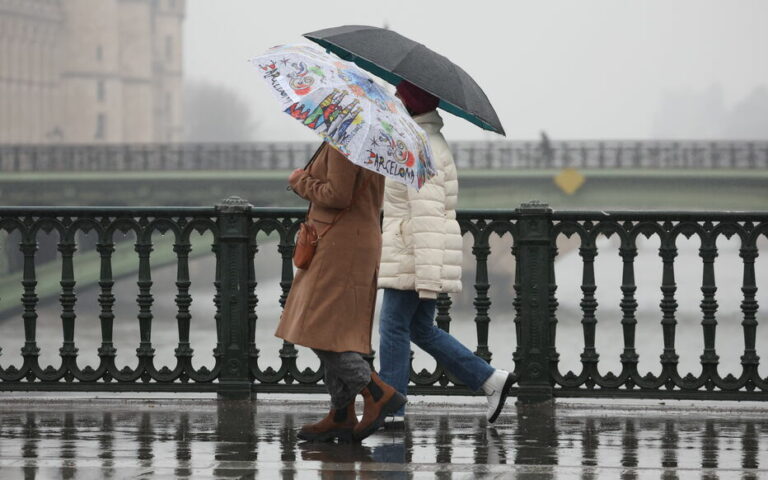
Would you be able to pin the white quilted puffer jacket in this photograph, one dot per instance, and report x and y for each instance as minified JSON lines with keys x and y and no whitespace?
{"x":421,"y":239}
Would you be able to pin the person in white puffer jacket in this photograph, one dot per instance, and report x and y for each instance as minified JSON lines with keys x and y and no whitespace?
{"x":421,"y":257}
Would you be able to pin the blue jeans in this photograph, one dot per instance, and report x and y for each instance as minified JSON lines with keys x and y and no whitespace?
{"x":405,"y":318}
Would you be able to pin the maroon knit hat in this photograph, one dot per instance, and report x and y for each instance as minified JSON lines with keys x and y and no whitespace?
{"x":416,"y":100}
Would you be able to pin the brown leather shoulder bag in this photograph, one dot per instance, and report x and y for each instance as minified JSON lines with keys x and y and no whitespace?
{"x":308,"y":237}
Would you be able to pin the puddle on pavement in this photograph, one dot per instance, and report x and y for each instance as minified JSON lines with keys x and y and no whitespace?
{"x":112,"y":443}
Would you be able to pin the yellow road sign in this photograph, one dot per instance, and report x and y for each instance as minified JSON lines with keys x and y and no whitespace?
{"x":569,"y":180}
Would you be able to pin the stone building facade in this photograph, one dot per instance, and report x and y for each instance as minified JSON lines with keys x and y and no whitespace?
{"x":91,"y":71}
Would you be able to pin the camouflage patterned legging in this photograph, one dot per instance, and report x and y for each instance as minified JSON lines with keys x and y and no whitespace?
{"x":346,"y":374}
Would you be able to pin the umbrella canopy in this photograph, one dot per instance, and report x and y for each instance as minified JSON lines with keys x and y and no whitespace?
{"x":394,"y":58}
{"x":344,"y":105}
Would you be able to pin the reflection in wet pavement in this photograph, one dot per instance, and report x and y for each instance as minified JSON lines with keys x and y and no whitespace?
{"x":205,"y":439}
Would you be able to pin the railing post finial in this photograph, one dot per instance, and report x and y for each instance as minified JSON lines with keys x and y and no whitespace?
{"x":233,"y":204}
{"x":534,"y":205}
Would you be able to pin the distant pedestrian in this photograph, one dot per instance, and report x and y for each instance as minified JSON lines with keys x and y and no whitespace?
{"x":331,"y":303}
{"x":547,"y":152}
{"x":421,"y":257}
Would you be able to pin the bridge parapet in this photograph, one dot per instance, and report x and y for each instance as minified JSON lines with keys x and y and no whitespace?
{"x":469,"y":154}
{"x":240,"y":370}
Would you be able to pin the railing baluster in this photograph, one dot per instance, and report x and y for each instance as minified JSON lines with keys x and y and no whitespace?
{"x":68,"y":351}
{"x":709,"y":359}
{"x":749,"y":306}
{"x":29,"y":299}
{"x":443,"y":317}
{"x":443,"y":320}
{"x":253,"y":301}
{"x":288,"y":352}
{"x":588,"y":304}
{"x":629,"y":357}
{"x":668,"y":252}
{"x":107,"y":351}
{"x":145,"y":352}
{"x":482,"y":303}
{"x":183,"y":351}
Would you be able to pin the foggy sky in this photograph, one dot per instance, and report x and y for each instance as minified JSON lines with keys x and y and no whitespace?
{"x":578,"y":69}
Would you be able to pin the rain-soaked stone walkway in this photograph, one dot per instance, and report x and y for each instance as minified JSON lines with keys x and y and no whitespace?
{"x":166,"y":438}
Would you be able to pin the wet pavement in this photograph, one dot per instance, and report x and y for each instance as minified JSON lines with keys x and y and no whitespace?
{"x":165,"y":438}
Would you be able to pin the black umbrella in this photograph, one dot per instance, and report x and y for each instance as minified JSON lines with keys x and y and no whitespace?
{"x":394,"y":58}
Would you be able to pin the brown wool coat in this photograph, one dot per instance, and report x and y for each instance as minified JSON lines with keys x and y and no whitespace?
{"x":330,"y":305}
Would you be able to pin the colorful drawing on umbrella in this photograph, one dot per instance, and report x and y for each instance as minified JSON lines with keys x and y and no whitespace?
{"x":344,"y":105}
{"x":335,"y":117}
{"x":300,"y":81}
{"x":363,"y":86}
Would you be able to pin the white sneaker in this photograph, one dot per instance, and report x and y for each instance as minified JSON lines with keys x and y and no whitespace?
{"x":496,"y":389}
{"x":394,"y":422}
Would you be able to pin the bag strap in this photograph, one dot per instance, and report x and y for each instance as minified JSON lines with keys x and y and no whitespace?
{"x":314,"y":155}
{"x":306,"y":167}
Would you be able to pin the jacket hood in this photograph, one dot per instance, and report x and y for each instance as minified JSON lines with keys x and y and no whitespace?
{"x":431,"y":122}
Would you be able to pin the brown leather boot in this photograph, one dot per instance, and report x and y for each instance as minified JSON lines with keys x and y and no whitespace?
{"x":337,"y":424}
{"x":380,"y":400}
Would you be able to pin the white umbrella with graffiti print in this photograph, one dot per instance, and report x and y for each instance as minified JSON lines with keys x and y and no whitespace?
{"x":348,"y":109}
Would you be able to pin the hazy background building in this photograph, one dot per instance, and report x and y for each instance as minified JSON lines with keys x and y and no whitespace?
{"x":90,"y":71}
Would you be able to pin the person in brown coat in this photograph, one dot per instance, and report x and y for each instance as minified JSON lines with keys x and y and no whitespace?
{"x":331,"y":303}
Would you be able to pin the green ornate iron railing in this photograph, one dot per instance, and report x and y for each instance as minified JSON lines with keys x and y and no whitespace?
{"x":239,"y":370}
